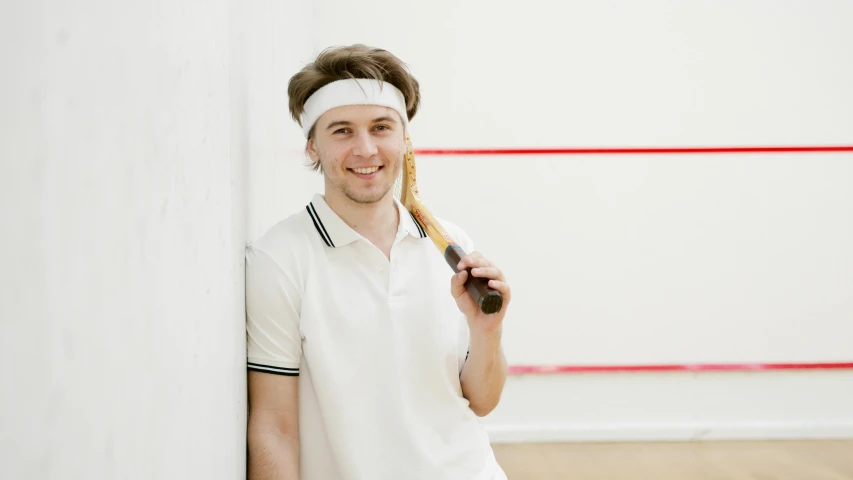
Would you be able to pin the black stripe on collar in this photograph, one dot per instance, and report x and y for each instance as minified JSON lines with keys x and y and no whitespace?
{"x":418,"y":224}
{"x":318,"y":224}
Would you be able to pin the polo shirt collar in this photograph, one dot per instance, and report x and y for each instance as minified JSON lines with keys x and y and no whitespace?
{"x":334,"y":232}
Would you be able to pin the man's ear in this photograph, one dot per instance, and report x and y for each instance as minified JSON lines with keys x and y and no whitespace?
{"x":311,"y":150}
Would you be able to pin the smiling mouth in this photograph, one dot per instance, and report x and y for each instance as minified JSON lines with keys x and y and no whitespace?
{"x":366,"y":170}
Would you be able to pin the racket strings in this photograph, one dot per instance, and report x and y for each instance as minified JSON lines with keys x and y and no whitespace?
{"x":398,"y":185}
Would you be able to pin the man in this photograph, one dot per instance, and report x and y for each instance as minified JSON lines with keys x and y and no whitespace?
{"x":367,"y":357}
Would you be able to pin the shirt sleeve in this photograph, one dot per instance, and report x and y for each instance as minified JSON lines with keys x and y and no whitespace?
{"x":274,"y":340}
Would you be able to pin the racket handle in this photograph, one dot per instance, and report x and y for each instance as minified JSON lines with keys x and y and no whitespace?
{"x":489,"y":299}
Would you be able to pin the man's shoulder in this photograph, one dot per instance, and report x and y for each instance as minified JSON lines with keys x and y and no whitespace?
{"x":459,"y":234}
{"x":288,"y":238}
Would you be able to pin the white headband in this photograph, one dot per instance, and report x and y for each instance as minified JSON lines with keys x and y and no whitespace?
{"x":352,"y":92}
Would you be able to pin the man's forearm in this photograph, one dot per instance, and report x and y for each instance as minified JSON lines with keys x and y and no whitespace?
{"x":484,"y":374}
{"x":273,"y":455}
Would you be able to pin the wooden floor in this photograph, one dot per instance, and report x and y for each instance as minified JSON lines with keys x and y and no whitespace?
{"x":800,"y":460}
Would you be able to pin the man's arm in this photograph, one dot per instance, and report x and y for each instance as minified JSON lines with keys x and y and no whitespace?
{"x":273,"y":431}
{"x":484,"y":373}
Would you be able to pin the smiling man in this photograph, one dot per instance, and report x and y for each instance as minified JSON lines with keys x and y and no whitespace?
{"x":367,"y":357}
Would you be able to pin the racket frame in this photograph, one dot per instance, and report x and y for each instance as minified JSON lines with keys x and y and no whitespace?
{"x":488,"y":299}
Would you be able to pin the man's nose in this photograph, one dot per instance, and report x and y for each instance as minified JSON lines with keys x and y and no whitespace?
{"x":365,"y":146}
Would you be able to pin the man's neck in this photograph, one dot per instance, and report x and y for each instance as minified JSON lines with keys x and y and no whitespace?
{"x":378,"y":222}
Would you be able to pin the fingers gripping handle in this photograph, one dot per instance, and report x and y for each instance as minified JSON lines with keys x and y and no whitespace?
{"x":489,"y":299}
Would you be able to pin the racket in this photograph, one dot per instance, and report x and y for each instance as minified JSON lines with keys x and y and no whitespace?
{"x":406,"y":189}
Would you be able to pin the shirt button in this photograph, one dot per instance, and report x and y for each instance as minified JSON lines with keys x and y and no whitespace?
{"x":381,"y":270}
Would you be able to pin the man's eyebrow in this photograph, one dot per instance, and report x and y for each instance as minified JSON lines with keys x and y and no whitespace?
{"x":338,"y":123}
{"x":346,"y":123}
{"x":384,"y":119}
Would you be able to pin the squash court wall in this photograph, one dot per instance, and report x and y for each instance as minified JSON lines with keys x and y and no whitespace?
{"x":136,"y":140}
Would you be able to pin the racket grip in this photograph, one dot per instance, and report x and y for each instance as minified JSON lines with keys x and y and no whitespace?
{"x":489,"y":299}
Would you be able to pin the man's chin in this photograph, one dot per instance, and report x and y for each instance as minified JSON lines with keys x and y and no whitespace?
{"x":368,"y":197}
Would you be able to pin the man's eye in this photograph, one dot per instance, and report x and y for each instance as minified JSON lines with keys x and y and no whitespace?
{"x":340,"y":130}
{"x":382,"y":127}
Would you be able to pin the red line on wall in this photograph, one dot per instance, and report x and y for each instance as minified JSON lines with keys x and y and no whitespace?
{"x":542,"y":369}
{"x":635,"y":150}
{"x":538,"y":369}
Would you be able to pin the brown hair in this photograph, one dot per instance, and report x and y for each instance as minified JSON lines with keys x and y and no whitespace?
{"x":354,"y":61}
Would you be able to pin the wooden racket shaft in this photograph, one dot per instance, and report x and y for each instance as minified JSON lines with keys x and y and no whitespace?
{"x":488,"y":299}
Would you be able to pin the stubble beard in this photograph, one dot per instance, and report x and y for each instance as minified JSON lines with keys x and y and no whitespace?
{"x":372,"y":196}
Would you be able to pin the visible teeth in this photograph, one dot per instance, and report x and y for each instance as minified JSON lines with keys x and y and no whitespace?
{"x":365,"y":171}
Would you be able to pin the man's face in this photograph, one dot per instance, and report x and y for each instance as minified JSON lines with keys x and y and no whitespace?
{"x":360,"y":148}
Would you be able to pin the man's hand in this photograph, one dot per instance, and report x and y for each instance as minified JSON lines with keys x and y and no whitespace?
{"x":481,"y":267}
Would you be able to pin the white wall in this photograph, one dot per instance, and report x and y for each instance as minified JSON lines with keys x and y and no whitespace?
{"x":279,"y":44}
{"x":138,"y":143}
{"x":645,"y":259}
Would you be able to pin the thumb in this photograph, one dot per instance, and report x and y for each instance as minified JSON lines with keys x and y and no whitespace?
{"x":457,"y":283}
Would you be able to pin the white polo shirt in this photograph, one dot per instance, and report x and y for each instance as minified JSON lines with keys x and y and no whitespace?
{"x":378,"y":346}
